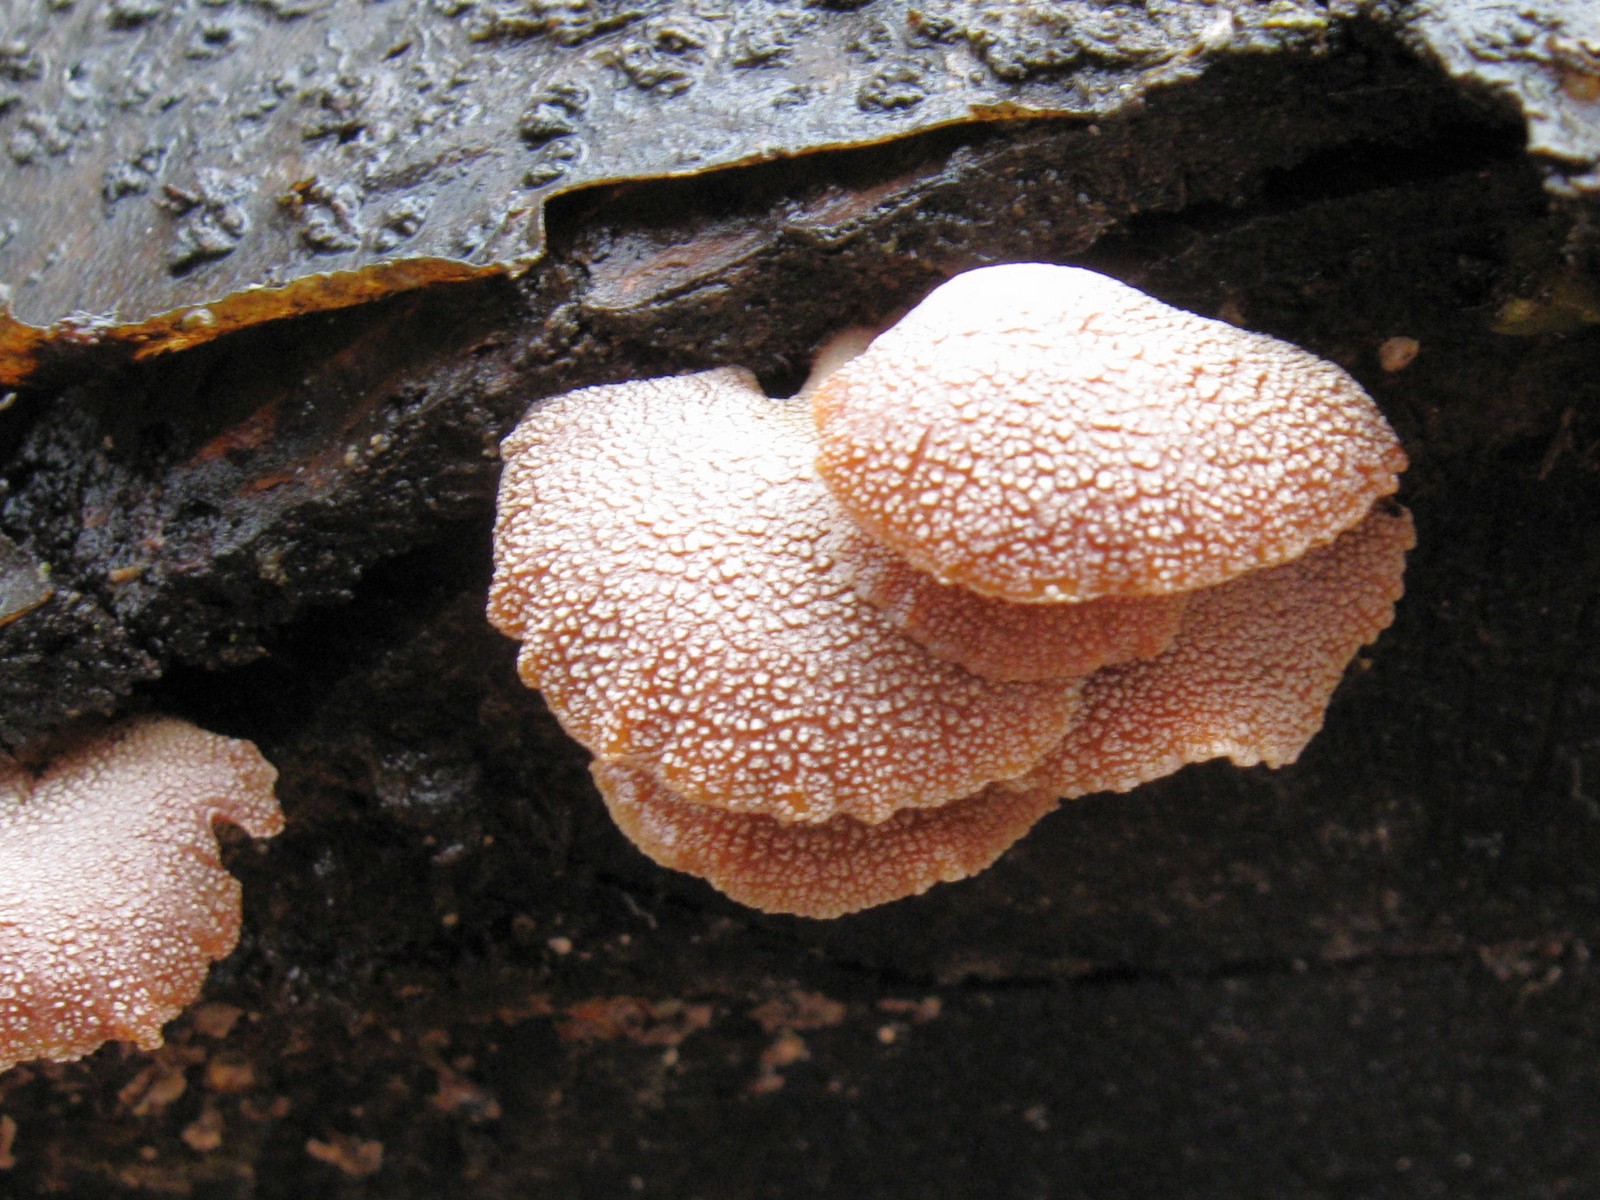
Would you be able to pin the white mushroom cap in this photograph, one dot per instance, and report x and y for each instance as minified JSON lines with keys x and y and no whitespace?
{"x":660,"y":551}
{"x":1250,"y":674}
{"x":113,"y":899}
{"x":840,"y":866}
{"x":997,"y":638}
{"x":1041,"y":433}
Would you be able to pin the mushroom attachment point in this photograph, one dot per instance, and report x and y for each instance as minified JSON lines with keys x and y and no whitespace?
{"x":113,"y":898}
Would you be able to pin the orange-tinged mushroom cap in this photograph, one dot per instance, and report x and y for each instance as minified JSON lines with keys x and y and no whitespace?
{"x":1250,"y":674}
{"x":997,"y":638}
{"x":1044,"y":433}
{"x":660,"y":551}
{"x":825,"y":870}
{"x":113,"y":899}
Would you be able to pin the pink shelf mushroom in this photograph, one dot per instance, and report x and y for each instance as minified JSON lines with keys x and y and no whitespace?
{"x":840,"y":866}
{"x":660,"y":550}
{"x":1042,"y":433}
{"x":1044,"y":536}
{"x":1250,"y":673}
{"x":997,"y":638}
{"x":113,"y":898}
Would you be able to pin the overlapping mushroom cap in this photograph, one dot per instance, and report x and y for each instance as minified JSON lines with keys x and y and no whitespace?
{"x":113,"y":898}
{"x":825,"y":870}
{"x":997,"y":638}
{"x":1070,"y":540}
{"x":1250,"y":673}
{"x":661,"y":551}
{"x":1042,"y":433}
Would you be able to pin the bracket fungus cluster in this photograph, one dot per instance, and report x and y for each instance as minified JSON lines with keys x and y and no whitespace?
{"x":1045,"y":536}
{"x":113,"y":898}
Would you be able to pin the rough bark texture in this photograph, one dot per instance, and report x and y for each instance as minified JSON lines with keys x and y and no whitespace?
{"x":1365,"y":975}
{"x":285,"y":157}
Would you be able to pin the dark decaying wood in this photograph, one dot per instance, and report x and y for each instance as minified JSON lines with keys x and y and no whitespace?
{"x":1367,"y":974}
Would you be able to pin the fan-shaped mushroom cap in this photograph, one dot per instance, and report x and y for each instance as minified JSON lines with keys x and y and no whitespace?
{"x":997,"y":638}
{"x":1251,"y":672}
{"x":659,"y":550}
{"x":826,"y":870}
{"x":1043,"y":433}
{"x":113,"y":899}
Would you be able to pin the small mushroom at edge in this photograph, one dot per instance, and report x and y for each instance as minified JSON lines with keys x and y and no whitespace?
{"x":113,"y":898}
